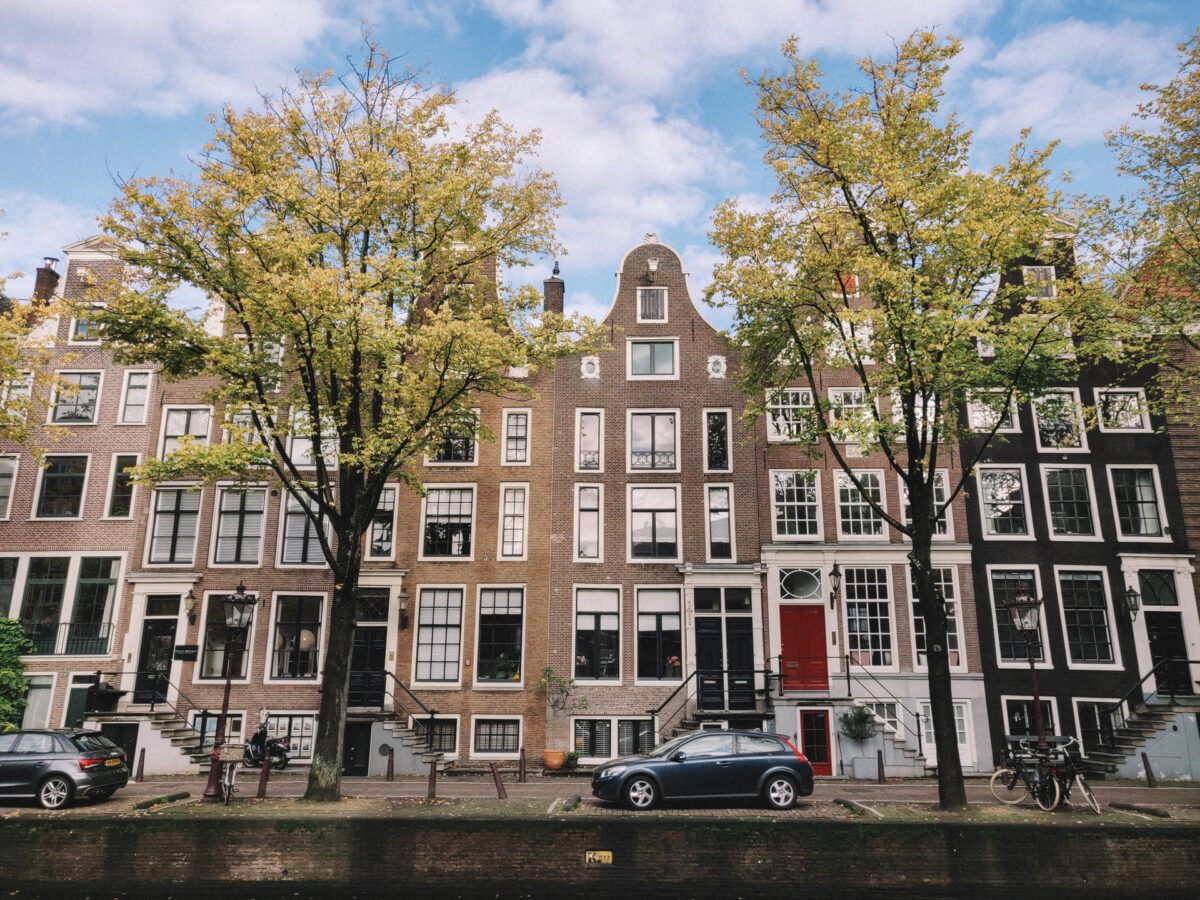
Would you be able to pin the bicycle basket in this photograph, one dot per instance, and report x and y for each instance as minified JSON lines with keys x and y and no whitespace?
{"x":228,"y":752}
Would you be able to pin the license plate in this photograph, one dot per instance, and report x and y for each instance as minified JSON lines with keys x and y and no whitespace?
{"x":112,"y":762}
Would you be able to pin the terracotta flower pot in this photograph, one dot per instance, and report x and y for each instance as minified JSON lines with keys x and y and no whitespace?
{"x":554,"y":759}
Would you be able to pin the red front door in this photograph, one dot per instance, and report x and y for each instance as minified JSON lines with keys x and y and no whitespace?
{"x":802,"y":646}
{"x":814,"y":740}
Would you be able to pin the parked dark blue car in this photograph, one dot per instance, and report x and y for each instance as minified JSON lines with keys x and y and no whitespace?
{"x":57,"y":766}
{"x":709,"y":764}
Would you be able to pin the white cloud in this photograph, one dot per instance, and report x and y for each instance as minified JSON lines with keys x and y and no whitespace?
{"x":659,"y":47}
{"x":69,"y":61}
{"x":1070,"y":80}
{"x":36,"y":227}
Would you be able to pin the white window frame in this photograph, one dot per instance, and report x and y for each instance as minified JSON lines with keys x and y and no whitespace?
{"x":237,"y":736}
{"x":528,"y":413}
{"x":1093,"y":502}
{"x":41,"y":480}
{"x":125,"y":396}
{"x":93,"y":306}
{"x":415,"y":724}
{"x":620,"y":614}
{"x":804,"y":538}
{"x":629,"y":414}
{"x":599,"y":558}
{"x":415,"y":628}
{"x":153,"y":515}
{"x":774,"y":436}
{"x":12,"y":491}
{"x":836,"y":426}
{"x":1143,"y":410}
{"x":367,"y":555}
{"x":966,"y":749}
{"x":1076,"y":406}
{"x":66,"y":611}
{"x":1051,"y":699}
{"x":222,"y":487}
{"x":476,"y":717}
{"x":1075,"y":701}
{"x":840,"y":474}
{"x":728,"y":412}
{"x":500,"y":555}
{"x":281,"y":535}
{"x":209,"y":600}
{"x":182,"y":407}
{"x":1030,"y":533}
{"x":477,"y":448}
{"x":54,"y":397}
{"x":1043,"y":632}
{"x":112,"y":480}
{"x":961,"y":665}
{"x":733,"y":551}
{"x":303,"y":458}
{"x":1114,"y":638}
{"x":614,"y":730}
{"x":579,"y":413}
{"x":948,"y":512}
{"x":519,"y":684}
{"x":53,"y":676}
{"x":660,"y":560}
{"x":894,"y":625}
{"x":666,"y":306}
{"x":630,"y":341}
{"x":1053,"y":282}
{"x":678,"y":590}
{"x":450,"y":485}
{"x":974,"y":405}
{"x":1165,"y":537}
{"x":322,"y":637}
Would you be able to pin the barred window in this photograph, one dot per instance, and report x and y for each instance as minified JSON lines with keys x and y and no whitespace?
{"x":449,"y":514}
{"x":1070,"y":500}
{"x":516,"y":437}
{"x":868,"y":616}
{"x":497,"y":735}
{"x":512,"y":524}
{"x":1003,"y":502}
{"x":1136,"y":496}
{"x":439,"y":634}
{"x":856,"y":516}
{"x":797,"y":504}
{"x":1005,"y":585}
{"x":173,"y":537}
{"x":1085,"y":613}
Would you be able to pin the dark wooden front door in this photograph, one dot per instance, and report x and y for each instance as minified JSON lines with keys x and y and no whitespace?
{"x":356,"y":748}
{"x":725,"y":662}
{"x":802,"y":646}
{"x":367,"y":662}
{"x":124,"y":735}
{"x":1165,"y":631}
{"x":158,"y":645}
{"x":814,"y":740}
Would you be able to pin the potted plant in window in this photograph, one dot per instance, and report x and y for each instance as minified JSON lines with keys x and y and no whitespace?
{"x":561,"y":698}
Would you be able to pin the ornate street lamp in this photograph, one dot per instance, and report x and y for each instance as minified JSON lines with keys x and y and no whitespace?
{"x":1024,"y":609}
{"x":1130,"y":602}
{"x":835,"y":586}
{"x":239,"y":612}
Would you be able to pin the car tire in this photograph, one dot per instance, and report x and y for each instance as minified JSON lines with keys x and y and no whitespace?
{"x":55,"y":792}
{"x":640,"y":792}
{"x":780,"y":792}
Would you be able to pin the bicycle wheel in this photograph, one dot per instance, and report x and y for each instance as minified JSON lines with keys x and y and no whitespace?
{"x":230,"y":774}
{"x":1008,"y":786}
{"x":1086,"y":790}
{"x":1047,"y":792}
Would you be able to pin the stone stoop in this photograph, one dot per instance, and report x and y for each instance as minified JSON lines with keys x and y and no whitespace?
{"x":415,"y":759}
{"x":172,"y":731}
{"x":1149,"y":721}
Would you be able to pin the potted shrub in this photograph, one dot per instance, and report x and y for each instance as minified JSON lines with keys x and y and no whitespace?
{"x":858,"y":724}
{"x":561,"y":698}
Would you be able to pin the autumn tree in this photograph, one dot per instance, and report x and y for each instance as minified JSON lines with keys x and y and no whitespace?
{"x":880,"y":253}
{"x":347,"y":234}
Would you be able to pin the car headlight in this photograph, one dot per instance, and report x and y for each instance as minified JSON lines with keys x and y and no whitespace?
{"x":613,"y":770}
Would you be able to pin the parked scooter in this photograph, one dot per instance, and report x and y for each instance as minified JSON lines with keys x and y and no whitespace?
{"x":259,"y":748}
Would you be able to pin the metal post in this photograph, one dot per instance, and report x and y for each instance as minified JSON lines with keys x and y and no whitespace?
{"x":141,"y":767}
{"x":880,"y":777}
{"x":212,"y":790}
{"x":1151,"y":781}
{"x":265,"y":775}
{"x":848,"y":691}
{"x":431,"y":791}
{"x":391,"y":768}
{"x":521,"y":767}
{"x":1038,"y":721}
{"x":500,"y":791}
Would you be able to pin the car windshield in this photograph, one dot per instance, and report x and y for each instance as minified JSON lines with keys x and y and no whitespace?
{"x":92,"y":743}
{"x":670,"y":746}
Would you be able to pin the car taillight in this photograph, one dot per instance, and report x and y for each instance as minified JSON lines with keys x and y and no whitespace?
{"x":800,"y":756}
{"x":90,"y":762}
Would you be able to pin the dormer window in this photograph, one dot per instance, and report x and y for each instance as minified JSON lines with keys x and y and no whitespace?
{"x":1039,"y":282}
{"x":652,"y":304}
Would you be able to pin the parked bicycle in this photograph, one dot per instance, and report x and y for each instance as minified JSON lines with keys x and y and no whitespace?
{"x":1068,"y":772}
{"x":1048,"y":776}
{"x":231,"y":759}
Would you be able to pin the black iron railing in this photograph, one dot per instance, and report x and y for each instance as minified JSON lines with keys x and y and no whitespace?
{"x":69,"y":638}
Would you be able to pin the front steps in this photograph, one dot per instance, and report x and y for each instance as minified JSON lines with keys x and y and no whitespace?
{"x":1154,"y":728}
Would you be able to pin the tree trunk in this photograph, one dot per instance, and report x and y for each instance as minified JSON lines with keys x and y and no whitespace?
{"x":952,"y":792}
{"x":325,"y":775}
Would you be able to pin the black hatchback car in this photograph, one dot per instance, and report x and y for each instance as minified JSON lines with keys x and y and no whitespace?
{"x":57,"y":766}
{"x":707,"y":765}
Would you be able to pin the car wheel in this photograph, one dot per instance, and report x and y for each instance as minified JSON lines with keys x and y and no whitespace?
{"x":55,"y":792}
{"x":780,"y":792}
{"x":640,"y":792}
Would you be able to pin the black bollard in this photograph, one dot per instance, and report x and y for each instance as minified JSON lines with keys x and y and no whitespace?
{"x":500,"y":791}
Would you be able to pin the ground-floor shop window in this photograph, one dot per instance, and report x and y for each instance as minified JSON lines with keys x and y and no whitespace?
{"x":299,"y":728}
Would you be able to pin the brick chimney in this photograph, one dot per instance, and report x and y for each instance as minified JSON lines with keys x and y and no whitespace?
{"x":553,"y":291}
{"x":46,"y":281}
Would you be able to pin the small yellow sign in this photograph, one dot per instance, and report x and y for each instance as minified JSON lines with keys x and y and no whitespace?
{"x":597,"y":857}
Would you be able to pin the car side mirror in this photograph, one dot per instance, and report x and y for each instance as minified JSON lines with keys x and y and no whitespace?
{"x":678,"y":756}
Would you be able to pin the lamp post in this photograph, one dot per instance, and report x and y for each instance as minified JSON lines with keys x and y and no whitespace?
{"x":239,"y":611}
{"x":835,"y":586}
{"x":1024,"y":609}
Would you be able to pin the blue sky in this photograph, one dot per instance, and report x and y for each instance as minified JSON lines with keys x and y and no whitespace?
{"x":644,"y":117}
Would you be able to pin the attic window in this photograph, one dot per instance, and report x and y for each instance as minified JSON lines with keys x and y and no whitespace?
{"x":1040,"y":282}
{"x":652,"y":304}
